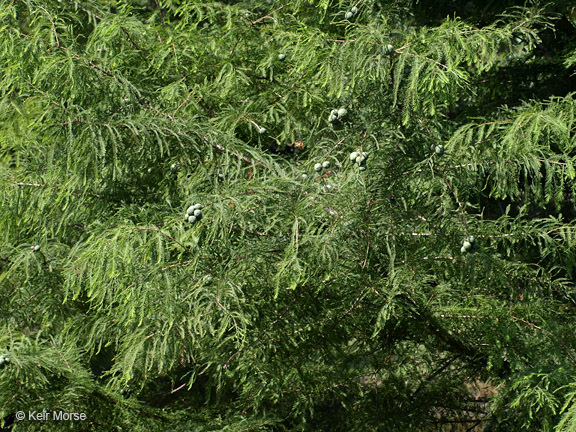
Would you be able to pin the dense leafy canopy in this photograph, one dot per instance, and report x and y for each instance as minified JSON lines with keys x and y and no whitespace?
{"x":429,"y":286}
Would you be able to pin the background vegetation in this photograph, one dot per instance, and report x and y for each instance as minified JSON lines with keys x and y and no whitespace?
{"x":339,"y":299}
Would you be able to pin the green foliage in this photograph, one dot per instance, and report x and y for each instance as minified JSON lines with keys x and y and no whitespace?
{"x":338,"y":301}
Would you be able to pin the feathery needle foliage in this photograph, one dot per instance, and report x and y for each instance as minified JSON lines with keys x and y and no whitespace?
{"x":288,"y":215}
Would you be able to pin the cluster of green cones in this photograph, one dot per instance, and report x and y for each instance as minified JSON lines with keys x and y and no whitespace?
{"x":320,"y":166}
{"x":337,"y":114}
{"x":469,"y":244}
{"x":194,"y":213}
{"x":360,"y":158}
{"x":351,"y":13}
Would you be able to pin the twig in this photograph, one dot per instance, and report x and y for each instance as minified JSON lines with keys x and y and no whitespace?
{"x":176,"y":389}
{"x":267,"y":16}
{"x":163,"y":233}
{"x":175,"y":265}
{"x":238,"y":229}
{"x":53,"y":27}
{"x":28,"y":184}
{"x":549,"y":334}
{"x":239,"y":156}
{"x":152,"y":334}
{"x":226,"y":311}
{"x":366,"y":256}
{"x":61,"y":356}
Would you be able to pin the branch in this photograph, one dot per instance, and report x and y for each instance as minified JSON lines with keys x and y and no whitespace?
{"x":455,"y":344}
{"x":470,"y":165}
{"x":161,"y":232}
{"x":554,"y":338}
{"x":238,"y":229}
{"x":175,"y":265}
{"x":239,"y":156}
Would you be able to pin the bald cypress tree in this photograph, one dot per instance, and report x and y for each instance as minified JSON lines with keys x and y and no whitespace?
{"x":288,"y":215}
